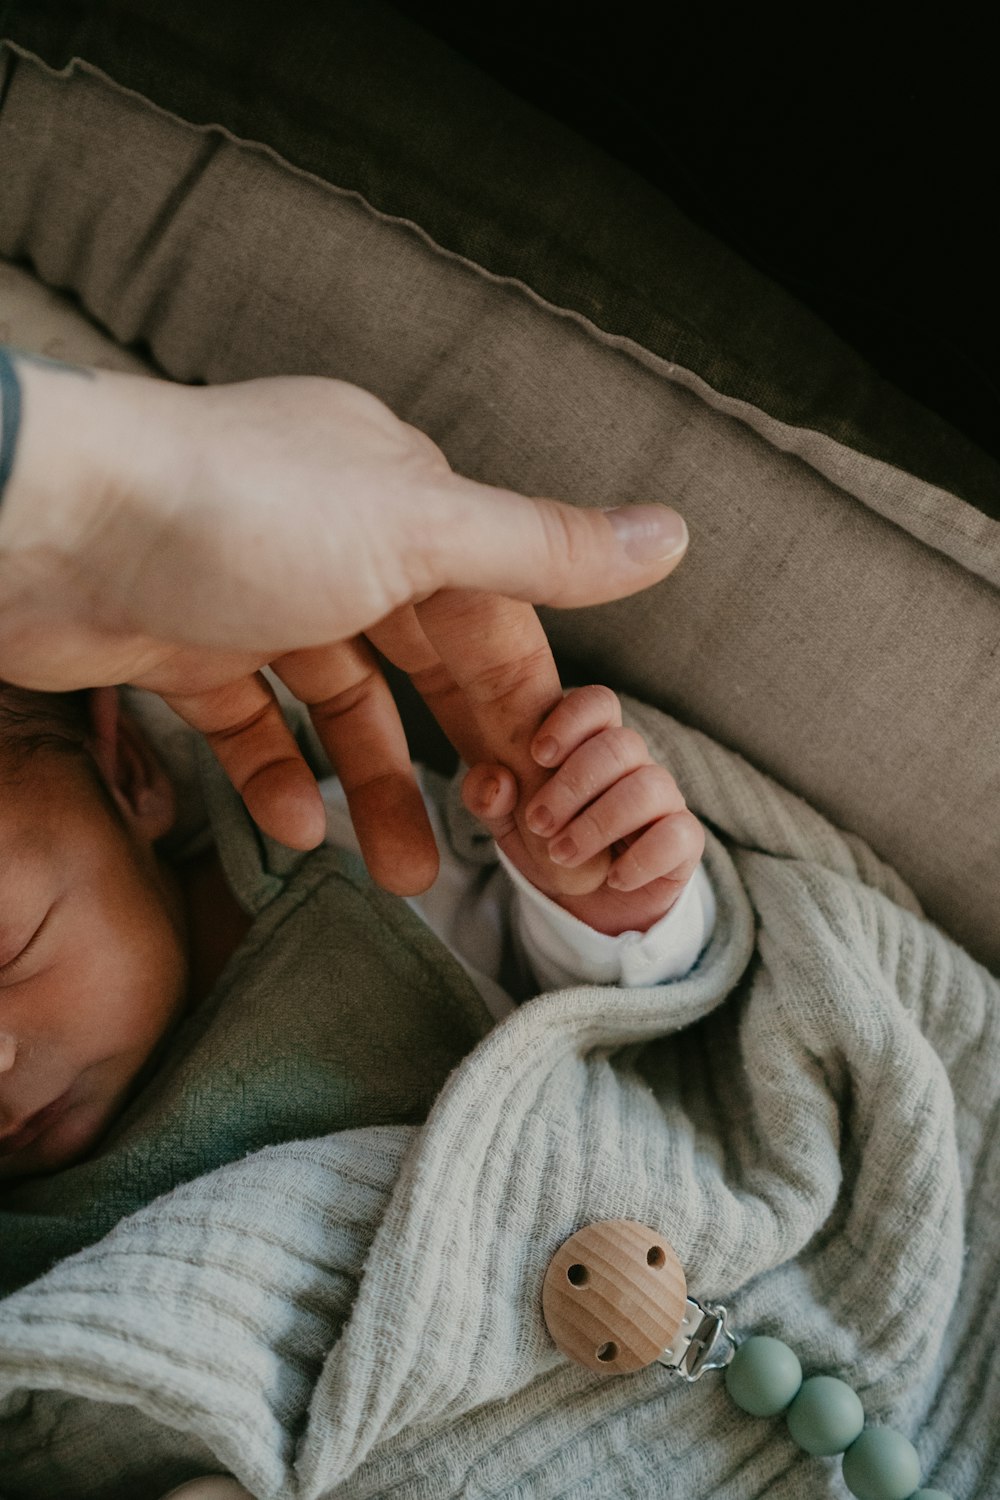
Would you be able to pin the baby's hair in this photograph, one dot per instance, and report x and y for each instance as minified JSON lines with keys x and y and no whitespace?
{"x":31,"y":721}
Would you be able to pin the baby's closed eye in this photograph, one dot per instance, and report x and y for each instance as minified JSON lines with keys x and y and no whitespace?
{"x":20,"y":955}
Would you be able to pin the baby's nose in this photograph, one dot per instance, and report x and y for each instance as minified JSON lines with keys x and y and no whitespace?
{"x":8,"y":1051}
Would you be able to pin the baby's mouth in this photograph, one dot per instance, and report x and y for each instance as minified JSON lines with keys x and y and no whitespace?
{"x":33,"y":1126}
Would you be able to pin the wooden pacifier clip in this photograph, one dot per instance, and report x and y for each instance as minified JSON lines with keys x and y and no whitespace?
{"x":615,"y":1299}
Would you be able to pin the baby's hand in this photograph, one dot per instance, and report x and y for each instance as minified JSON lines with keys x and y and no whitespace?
{"x":605,"y":794}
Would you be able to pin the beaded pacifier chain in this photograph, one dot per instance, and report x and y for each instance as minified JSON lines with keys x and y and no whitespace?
{"x":615,"y":1299}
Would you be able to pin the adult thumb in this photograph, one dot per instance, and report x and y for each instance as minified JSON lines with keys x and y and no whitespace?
{"x":546,"y":551}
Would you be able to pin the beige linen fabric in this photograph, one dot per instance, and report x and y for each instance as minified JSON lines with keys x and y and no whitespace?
{"x":835,"y":620}
{"x":36,"y":318}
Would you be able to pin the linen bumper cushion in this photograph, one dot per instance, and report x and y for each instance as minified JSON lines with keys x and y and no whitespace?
{"x":46,"y":322}
{"x":366,"y":98}
{"x":359,"y":1315}
{"x":827,"y":643}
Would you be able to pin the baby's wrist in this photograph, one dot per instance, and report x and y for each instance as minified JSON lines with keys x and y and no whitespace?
{"x":612,"y":913}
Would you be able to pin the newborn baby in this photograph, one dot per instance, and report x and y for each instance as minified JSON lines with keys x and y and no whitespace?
{"x":107,"y":946}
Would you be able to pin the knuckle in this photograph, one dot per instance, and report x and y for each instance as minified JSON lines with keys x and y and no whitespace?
{"x":611,"y":762}
{"x":600,"y":697}
{"x":627,"y":747}
{"x":588,"y":828}
{"x":690,"y":836}
{"x":576,"y":783}
{"x":423,"y":449}
{"x":637,"y":865}
{"x":563,"y":542}
{"x":649,"y":785}
{"x":345,"y":701}
{"x":500,"y":681}
{"x":597,"y":765}
{"x":585,"y":708}
{"x":663,"y":784}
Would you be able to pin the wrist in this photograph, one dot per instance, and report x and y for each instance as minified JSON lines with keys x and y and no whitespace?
{"x":613,"y":913}
{"x":72,"y":510}
{"x":49,"y":454}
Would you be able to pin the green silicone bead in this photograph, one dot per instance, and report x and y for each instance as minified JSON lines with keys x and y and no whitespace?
{"x":763,"y":1376}
{"x":881,"y":1465}
{"x":826,"y":1416}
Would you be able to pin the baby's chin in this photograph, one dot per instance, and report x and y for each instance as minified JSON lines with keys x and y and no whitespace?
{"x":68,"y":1139}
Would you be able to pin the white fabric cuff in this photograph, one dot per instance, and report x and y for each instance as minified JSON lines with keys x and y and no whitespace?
{"x":562,"y":950}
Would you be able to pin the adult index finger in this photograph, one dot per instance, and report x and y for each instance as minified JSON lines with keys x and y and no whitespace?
{"x":496,"y":651}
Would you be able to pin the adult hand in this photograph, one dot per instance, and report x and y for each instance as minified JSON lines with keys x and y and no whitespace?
{"x":180,"y":538}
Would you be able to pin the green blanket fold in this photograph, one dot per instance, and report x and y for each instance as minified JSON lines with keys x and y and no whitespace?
{"x":810,"y":1117}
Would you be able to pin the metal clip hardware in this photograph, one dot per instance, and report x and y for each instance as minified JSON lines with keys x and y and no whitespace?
{"x":703,"y":1342}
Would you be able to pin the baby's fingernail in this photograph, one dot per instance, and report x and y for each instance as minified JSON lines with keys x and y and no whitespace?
{"x":562,"y":851}
{"x":649,"y":533}
{"x":489,"y":790}
{"x":540,"y":820}
{"x":546,"y":750}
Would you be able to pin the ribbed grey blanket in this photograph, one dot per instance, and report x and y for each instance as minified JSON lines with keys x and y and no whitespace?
{"x":810,"y":1117}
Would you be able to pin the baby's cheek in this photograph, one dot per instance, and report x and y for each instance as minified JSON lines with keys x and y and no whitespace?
{"x":128,"y":992}
{"x":159,"y":991}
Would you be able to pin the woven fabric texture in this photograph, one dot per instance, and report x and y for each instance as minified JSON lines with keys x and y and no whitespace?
{"x":365,"y":98}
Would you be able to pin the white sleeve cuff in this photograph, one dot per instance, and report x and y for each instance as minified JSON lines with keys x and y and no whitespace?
{"x":561,"y":950}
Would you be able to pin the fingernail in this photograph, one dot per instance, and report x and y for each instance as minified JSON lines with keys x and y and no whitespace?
{"x":649,"y":533}
{"x":540,"y":820}
{"x":546,"y":750}
{"x":562,"y":851}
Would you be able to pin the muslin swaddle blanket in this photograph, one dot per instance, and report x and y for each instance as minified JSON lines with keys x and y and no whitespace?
{"x":810,"y":1117}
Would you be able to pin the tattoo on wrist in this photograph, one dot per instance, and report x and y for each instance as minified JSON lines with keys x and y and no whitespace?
{"x":10,"y":416}
{"x":10,"y":401}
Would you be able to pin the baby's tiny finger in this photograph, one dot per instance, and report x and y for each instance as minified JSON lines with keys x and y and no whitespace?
{"x":490,"y":793}
{"x":586,"y":773}
{"x":633,"y":802}
{"x":670,"y":850}
{"x":583,"y":712}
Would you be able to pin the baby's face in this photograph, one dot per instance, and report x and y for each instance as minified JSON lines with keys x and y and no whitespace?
{"x":93,"y":950}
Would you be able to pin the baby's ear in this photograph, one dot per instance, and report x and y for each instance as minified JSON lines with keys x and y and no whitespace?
{"x":130,"y":767}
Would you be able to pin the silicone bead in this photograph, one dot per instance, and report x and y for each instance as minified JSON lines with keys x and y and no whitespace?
{"x":826,"y":1416}
{"x":881,"y":1465}
{"x":763,"y":1376}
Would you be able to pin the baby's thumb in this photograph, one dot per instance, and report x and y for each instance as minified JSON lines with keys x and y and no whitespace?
{"x":490,"y":794}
